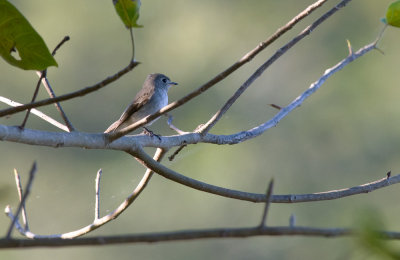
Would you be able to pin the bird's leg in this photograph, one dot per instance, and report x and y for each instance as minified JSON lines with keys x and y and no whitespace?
{"x":150,"y":133}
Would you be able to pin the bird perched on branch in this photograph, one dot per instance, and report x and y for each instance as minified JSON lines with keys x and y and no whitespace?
{"x":152,"y":97}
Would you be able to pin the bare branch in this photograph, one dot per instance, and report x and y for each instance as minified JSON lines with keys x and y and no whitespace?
{"x":254,"y":197}
{"x":37,"y":113}
{"x":51,"y":93}
{"x":20,"y":192}
{"x":245,"y":59}
{"x":35,"y":93}
{"x":71,"y":95}
{"x":43,"y":76}
{"x":207,"y":127}
{"x":186,"y":235}
{"x":98,"y":222}
{"x":256,"y":131}
{"x":96,"y":141}
{"x":172,"y":156}
{"x":23,"y":199}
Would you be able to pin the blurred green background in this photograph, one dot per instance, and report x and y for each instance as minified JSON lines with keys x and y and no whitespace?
{"x":346,"y":134}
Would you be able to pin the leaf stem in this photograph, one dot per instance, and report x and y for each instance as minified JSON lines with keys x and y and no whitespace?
{"x":133,"y":43}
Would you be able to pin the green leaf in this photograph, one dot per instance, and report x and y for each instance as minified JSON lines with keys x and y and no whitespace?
{"x":18,"y":35}
{"x":393,"y":14}
{"x":128,"y":11}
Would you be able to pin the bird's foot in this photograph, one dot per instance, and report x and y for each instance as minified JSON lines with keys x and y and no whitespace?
{"x":150,"y":133}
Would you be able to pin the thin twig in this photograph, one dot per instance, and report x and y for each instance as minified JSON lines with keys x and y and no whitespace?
{"x":97,"y":199}
{"x":66,"y":38}
{"x":33,"y":100}
{"x":71,"y":95}
{"x":172,"y":157}
{"x":20,"y":192}
{"x":267,"y":203}
{"x":51,"y":93}
{"x":22,"y":202}
{"x":207,"y":127}
{"x":43,"y":75}
{"x":245,"y":59}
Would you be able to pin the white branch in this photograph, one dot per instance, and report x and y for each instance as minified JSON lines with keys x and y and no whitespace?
{"x":36,"y":113}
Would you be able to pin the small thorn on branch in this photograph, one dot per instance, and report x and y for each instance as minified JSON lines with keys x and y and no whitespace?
{"x":267,"y":202}
{"x":350,"y":48}
{"x":172,"y":157}
{"x":276,"y":106}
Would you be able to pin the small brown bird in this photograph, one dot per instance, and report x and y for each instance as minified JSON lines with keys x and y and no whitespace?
{"x":152,"y":97}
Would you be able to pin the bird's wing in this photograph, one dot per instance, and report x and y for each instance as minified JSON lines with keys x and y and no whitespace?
{"x":141,"y":98}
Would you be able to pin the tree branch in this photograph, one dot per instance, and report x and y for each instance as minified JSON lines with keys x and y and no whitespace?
{"x":71,"y":95}
{"x":254,"y":197}
{"x":267,"y":202}
{"x":43,"y":76}
{"x":21,"y":205}
{"x":46,"y":84}
{"x":256,"y":131}
{"x":98,"y":222}
{"x":186,"y":235}
{"x":35,"y":93}
{"x":37,"y":113}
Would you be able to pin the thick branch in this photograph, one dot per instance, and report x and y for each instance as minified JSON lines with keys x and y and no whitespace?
{"x":96,"y":141}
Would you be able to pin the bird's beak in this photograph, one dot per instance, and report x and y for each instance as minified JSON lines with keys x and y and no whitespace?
{"x":172,"y":83}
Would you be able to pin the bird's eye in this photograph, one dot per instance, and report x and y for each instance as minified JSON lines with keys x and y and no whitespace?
{"x":164,"y":80}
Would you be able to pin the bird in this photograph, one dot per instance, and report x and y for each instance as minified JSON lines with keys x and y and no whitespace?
{"x":152,"y":97}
